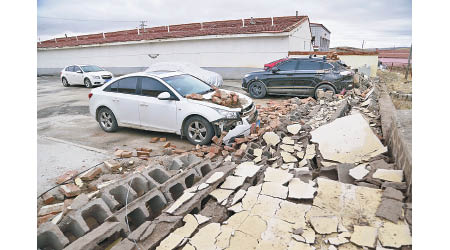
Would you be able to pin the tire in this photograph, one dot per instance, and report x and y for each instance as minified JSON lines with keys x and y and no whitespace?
{"x":87,"y":83}
{"x":257,"y":90}
{"x":65,"y":82}
{"x":107,"y":120}
{"x":325,"y":87}
{"x":198,"y":130}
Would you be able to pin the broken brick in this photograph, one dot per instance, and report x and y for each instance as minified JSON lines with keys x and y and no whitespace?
{"x":194,"y":96}
{"x":111,"y":165}
{"x":126,"y":154}
{"x":214,"y":149}
{"x":229,"y":149}
{"x":90,"y":174}
{"x":48,"y":198}
{"x":70,"y":190}
{"x":239,"y":153}
{"x":154,"y":139}
{"x":51,"y":209}
{"x":210,"y":155}
{"x":66,"y":176}
{"x":142,"y":153}
{"x":43,"y":219}
{"x":240,"y":140}
{"x":144,"y":149}
{"x":166,"y":145}
{"x":179,"y":151}
{"x":162,"y":139}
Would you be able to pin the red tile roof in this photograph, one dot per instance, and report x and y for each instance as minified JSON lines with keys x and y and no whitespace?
{"x":229,"y":27}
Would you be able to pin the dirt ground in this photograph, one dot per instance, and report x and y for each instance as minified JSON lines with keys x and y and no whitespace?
{"x":395,"y":81}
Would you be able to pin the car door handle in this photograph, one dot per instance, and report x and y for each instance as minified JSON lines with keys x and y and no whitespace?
{"x":115,"y":100}
{"x":143,"y":105}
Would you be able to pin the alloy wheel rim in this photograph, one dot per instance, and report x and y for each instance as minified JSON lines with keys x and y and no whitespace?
{"x":197,"y":131}
{"x":106,"y":120}
{"x":257,"y":89}
{"x":86,"y":82}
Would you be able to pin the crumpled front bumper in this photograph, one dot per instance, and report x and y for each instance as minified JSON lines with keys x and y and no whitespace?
{"x":247,"y":117}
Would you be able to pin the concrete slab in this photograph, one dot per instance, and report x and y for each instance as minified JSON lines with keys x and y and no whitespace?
{"x":347,"y":140}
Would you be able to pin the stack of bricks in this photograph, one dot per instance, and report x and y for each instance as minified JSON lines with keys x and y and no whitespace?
{"x":225,"y":99}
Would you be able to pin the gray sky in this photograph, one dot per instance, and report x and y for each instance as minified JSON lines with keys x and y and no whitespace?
{"x":381,"y":23}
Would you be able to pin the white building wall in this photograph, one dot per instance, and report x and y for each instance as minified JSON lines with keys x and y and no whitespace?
{"x":300,"y":38}
{"x":319,"y":32}
{"x":228,"y":56}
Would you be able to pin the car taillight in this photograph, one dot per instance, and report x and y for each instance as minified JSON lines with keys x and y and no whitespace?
{"x":90,"y":95}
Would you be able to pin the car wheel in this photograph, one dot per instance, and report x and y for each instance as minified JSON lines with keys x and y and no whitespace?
{"x":87,"y":83}
{"x":325,"y":88}
{"x":107,"y":120}
{"x":257,"y":90}
{"x":198,"y":130}
{"x":65,"y":82}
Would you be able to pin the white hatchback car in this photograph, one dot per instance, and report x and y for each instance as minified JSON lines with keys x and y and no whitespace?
{"x":87,"y":75}
{"x":157,"y":101}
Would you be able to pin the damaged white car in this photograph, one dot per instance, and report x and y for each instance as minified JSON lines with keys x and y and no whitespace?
{"x":162,"y":101}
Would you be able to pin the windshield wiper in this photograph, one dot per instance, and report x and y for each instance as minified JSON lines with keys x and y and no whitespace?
{"x":206,"y":91}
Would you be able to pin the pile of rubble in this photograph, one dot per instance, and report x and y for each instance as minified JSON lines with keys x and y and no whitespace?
{"x":220,"y":97}
{"x":301,"y":179}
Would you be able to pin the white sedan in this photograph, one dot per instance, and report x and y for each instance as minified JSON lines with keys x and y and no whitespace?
{"x":87,"y":75}
{"x":157,"y":101}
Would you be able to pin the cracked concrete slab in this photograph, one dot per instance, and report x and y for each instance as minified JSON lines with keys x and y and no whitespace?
{"x":294,"y":128}
{"x":274,"y":189}
{"x":288,"y":140}
{"x":287,"y":157}
{"x":301,"y":190}
{"x":233,"y":182}
{"x":389,"y":175}
{"x":394,"y":235}
{"x":203,"y":238}
{"x":180,"y":201}
{"x":221,"y":194}
{"x":358,"y":172}
{"x":348,"y":139}
{"x":390,"y":209}
{"x":215,"y":177}
{"x":324,"y":224}
{"x":246,"y":169}
{"x":364,"y":236}
{"x":271,"y":138}
{"x":277,"y":175}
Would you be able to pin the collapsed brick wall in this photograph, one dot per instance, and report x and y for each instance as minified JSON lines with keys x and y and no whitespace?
{"x":392,"y":135}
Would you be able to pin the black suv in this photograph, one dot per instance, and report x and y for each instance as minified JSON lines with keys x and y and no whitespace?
{"x":299,"y":77}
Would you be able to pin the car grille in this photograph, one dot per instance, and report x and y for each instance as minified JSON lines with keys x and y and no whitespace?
{"x":106,"y":77}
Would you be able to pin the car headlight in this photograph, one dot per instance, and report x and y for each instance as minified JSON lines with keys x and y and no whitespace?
{"x":228,"y":114}
{"x":96,"y":77}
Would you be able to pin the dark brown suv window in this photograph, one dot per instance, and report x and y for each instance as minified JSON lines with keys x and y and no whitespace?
{"x":288,"y":65}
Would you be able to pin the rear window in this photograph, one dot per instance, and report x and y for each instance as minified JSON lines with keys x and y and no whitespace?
{"x":309,"y":65}
{"x":127,"y":85}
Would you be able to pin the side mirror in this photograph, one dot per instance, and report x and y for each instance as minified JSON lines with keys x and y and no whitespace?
{"x":275,"y":70}
{"x":164,"y":96}
{"x":79,"y":71}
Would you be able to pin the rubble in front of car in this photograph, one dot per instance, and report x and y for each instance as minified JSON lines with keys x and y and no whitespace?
{"x":275,"y":186}
{"x":228,"y":99}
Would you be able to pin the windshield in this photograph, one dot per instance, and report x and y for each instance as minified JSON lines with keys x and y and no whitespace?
{"x":91,"y":68}
{"x":187,"y":84}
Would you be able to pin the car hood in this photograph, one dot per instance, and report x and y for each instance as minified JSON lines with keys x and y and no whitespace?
{"x":246,"y":101}
{"x":98,"y":73}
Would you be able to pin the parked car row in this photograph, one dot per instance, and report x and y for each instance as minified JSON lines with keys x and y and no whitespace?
{"x":156,"y":99}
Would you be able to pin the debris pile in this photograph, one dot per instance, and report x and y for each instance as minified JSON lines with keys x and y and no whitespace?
{"x":227,"y":99}
{"x":303,"y":179}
